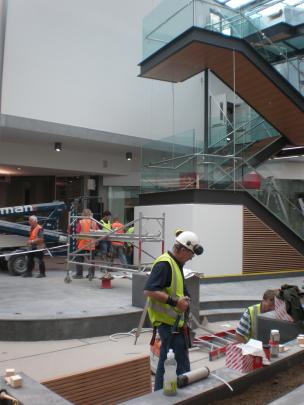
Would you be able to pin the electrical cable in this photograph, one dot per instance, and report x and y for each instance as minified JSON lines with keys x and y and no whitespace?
{"x":130,"y":333}
{"x":221,"y":379}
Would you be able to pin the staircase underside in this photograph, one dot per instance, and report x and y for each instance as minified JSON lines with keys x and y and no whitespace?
{"x":240,"y":67}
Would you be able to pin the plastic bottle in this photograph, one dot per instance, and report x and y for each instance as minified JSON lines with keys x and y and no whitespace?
{"x":170,"y":377}
{"x":274,"y":343}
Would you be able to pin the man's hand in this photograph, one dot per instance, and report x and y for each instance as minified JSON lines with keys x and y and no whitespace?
{"x":183,"y":304}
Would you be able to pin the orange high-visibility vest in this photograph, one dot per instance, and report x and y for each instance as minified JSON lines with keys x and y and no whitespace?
{"x":34,"y":235}
{"x":117,"y":225}
{"x":86,"y":226}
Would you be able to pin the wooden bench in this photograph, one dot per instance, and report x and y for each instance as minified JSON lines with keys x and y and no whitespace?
{"x":107,"y":385}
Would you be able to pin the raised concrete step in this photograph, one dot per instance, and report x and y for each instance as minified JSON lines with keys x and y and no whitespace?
{"x":215,"y":315}
{"x":225,"y":303}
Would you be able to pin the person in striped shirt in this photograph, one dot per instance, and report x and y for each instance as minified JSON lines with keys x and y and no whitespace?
{"x":247,"y":327}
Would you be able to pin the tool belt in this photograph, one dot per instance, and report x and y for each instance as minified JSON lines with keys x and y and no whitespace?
{"x":174,"y":331}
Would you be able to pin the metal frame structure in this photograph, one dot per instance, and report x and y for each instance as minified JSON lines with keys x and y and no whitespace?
{"x":95,"y":236}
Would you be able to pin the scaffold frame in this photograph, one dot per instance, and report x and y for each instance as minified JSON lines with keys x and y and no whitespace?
{"x":95,"y":236}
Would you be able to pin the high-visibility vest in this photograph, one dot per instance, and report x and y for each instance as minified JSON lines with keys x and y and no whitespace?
{"x":106,"y":226}
{"x":86,"y":226}
{"x":117,"y":225}
{"x":129,"y":232}
{"x":34,"y":235}
{"x":164,"y":313}
{"x":254,"y":311}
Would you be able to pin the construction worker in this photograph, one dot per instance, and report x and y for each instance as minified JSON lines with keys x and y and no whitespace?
{"x":118,"y":246}
{"x":168,"y":300}
{"x":86,"y":247}
{"x":247,"y":328}
{"x":35,"y":242}
{"x":105,"y":246}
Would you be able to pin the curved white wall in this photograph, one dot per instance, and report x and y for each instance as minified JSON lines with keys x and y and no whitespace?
{"x":219,"y":227}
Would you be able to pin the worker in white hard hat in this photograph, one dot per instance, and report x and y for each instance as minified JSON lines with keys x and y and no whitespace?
{"x":168,"y":300}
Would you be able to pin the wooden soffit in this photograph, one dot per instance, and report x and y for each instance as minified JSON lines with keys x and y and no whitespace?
{"x":240,"y":67}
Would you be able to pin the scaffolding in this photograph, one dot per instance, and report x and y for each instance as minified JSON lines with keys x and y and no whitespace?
{"x":137,"y":240}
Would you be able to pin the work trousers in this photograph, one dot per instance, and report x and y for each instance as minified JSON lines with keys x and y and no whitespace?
{"x":177,"y":342}
{"x":81,"y":258}
{"x":105,"y":247}
{"x":31,"y":262}
{"x":119,"y":251}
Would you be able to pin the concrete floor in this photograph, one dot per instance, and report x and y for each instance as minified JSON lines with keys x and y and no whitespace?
{"x":32,"y":297}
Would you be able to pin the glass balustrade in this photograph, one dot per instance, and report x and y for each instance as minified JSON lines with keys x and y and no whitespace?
{"x":168,"y":164}
{"x":236,"y":174}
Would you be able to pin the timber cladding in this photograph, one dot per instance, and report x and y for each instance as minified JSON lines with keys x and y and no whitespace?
{"x":264,"y":250}
{"x":107,"y":385}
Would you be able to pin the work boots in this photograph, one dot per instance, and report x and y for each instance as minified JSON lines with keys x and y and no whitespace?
{"x":41,"y":270}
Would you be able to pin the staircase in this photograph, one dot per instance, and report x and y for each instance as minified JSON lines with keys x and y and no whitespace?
{"x":207,"y":36}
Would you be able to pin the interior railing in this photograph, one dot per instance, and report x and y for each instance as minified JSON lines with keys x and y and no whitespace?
{"x":226,"y":173}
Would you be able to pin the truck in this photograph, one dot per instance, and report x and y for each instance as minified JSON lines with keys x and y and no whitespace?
{"x":14,"y":235}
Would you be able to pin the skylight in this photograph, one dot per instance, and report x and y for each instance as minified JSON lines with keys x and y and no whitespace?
{"x":238,"y":3}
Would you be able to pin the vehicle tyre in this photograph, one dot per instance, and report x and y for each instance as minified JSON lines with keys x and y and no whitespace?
{"x":17,"y":265}
{"x":3,"y":264}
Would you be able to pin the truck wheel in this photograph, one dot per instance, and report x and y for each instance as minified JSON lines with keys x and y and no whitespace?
{"x":3,"y":264}
{"x":17,"y":265}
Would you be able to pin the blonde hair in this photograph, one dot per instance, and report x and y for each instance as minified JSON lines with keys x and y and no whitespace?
{"x":86,"y":212}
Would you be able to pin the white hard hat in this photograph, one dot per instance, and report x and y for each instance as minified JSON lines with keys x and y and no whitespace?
{"x":190,"y":241}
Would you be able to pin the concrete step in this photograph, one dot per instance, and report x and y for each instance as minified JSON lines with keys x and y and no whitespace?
{"x":225,"y":304}
{"x":216,"y":315}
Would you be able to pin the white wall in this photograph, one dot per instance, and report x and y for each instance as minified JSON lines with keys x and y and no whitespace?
{"x":75,"y":62}
{"x":84,"y":161}
{"x":283,"y":169}
{"x":3,"y":8}
{"x":219,"y":227}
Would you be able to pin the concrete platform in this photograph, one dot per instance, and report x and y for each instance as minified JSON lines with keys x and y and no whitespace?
{"x":208,"y":390}
{"x":33,"y":393}
{"x":49,"y":309}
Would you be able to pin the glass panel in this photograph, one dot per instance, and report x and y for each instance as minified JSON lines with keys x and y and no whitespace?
{"x":122,"y":201}
{"x":229,"y":173}
{"x":234,"y":127}
{"x":166,"y":22}
{"x":169,"y":164}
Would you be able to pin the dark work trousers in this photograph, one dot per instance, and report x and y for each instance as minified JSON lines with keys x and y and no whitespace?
{"x":80,"y":259}
{"x":31,"y":262}
{"x":178,"y":344}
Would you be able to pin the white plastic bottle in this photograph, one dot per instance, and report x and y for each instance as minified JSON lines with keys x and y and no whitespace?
{"x":170,"y":377}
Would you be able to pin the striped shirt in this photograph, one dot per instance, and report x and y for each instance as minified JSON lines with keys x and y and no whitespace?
{"x":244,"y":325}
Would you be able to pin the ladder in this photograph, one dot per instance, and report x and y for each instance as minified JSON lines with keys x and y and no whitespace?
{"x":216,"y":343}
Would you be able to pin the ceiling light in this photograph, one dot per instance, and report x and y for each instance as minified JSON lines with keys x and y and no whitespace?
{"x":129,"y":155}
{"x":58,"y":146}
